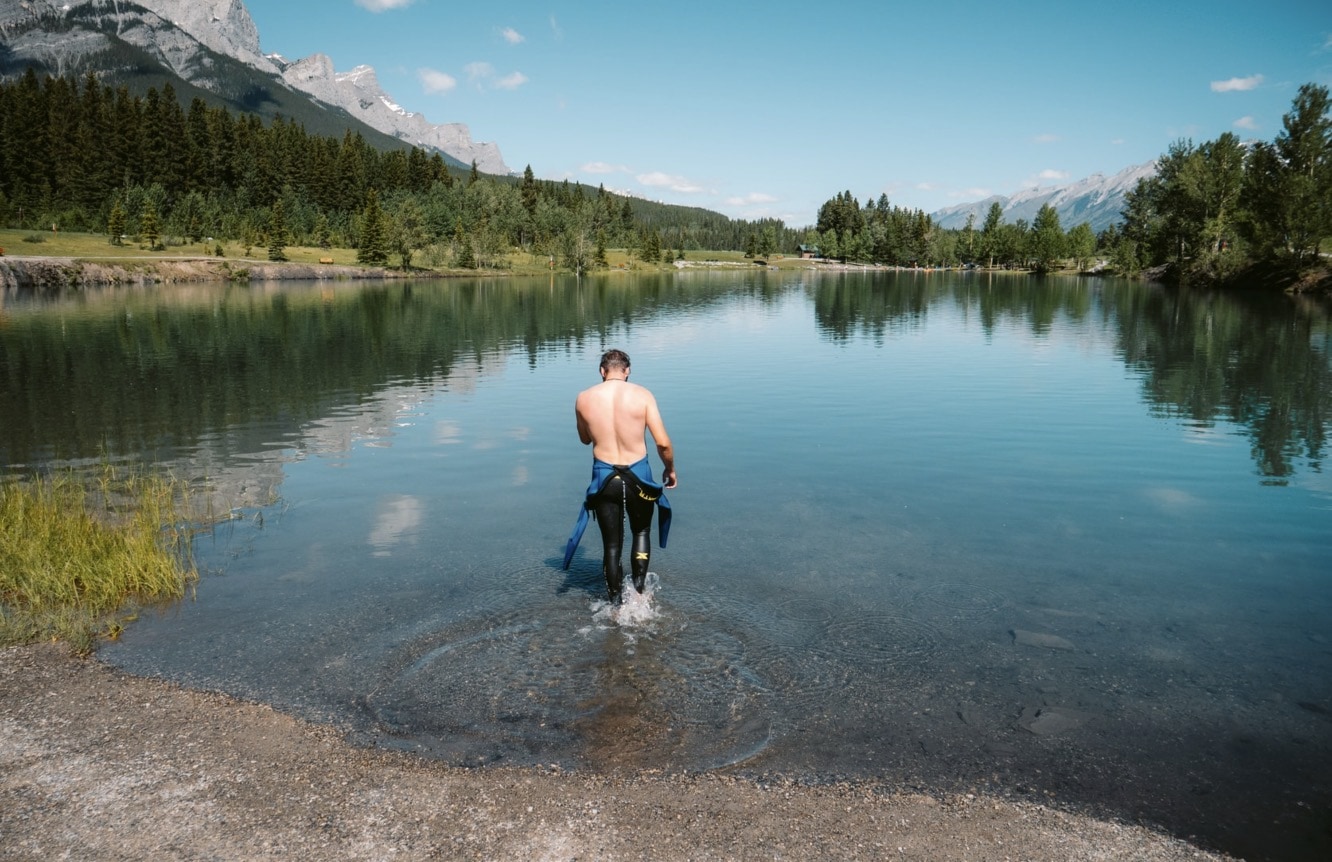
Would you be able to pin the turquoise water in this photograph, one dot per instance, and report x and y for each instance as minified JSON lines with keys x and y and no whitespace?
{"x":1062,"y":539}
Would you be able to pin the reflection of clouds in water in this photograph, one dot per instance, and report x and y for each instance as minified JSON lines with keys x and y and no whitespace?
{"x":520,"y":434}
{"x":447,"y":433}
{"x":1200,"y":434}
{"x":520,"y":475}
{"x":1172,"y":498}
{"x":482,"y":445}
{"x":397,"y":521}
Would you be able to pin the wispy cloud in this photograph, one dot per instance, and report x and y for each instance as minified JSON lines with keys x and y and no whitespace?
{"x":1237,"y":85}
{"x":1246,"y":123}
{"x":434,"y":81}
{"x":383,"y":5}
{"x":751,"y":199}
{"x":603,"y":168}
{"x":1046,"y":138}
{"x":482,"y":75}
{"x":479,"y":71}
{"x":512,"y":36}
{"x":657,"y":179}
{"x":1049,"y":175}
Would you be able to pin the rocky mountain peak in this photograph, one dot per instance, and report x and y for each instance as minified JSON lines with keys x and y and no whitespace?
{"x":175,"y":32}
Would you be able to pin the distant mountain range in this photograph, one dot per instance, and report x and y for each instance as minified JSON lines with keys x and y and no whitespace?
{"x":1098,"y":200}
{"x":211,"y":48}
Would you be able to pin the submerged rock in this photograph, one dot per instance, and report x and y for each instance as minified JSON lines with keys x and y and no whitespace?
{"x":1050,"y":720}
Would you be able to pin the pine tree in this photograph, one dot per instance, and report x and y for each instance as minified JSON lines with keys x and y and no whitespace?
{"x":323,"y":233}
{"x":115,"y":223}
{"x":150,"y":228}
{"x":373,"y":250}
{"x":464,"y":256}
{"x":1047,"y":240}
{"x":277,"y":231}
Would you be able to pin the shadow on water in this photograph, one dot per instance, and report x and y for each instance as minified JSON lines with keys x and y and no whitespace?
{"x":1117,"y":660}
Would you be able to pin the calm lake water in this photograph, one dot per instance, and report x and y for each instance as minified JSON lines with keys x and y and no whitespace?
{"x":1067,"y":540}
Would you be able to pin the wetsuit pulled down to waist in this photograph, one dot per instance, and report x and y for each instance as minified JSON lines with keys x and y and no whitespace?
{"x":617,"y":491}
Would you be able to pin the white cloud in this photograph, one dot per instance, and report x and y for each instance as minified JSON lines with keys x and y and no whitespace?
{"x":1118,"y":142}
{"x":383,"y":5}
{"x":1246,"y":123}
{"x":1236,"y":85}
{"x":482,"y":75}
{"x":603,"y":168}
{"x":478,"y":71}
{"x":556,"y":30}
{"x":512,"y":36}
{"x":436,"y":82}
{"x":1048,"y":175}
{"x":924,"y":187}
{"x":657,"y":179}
{"x":751,"y":199}
{"x":1046,"y":138}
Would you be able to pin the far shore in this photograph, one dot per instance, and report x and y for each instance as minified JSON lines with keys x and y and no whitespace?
{"x":47,"y":273}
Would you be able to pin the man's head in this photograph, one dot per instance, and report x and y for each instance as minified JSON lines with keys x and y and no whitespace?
{"x":614,"y":360}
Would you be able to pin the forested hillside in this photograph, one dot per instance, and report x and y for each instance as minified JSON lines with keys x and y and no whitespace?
{"x":84,"y":156}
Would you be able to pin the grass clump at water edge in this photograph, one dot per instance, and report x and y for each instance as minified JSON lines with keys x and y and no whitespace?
{"x":78,"y":557}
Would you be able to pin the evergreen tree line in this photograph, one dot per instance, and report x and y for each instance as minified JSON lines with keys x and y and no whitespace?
{"x":90,"y":157}
{"x":1218,"y":208}
{"x":879,"y":233}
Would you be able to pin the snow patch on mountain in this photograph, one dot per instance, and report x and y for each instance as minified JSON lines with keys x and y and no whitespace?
{"x":1097,"y":200}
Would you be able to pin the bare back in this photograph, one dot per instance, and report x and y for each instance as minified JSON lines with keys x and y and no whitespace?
{"x":613,"y":416}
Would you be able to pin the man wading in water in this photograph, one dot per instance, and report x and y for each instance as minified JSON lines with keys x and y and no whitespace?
{"x":613,"y":416}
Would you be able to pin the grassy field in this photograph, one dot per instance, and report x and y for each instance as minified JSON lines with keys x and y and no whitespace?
{"x":96,"y":248}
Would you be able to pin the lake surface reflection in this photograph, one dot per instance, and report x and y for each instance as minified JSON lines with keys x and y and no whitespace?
{"x":1063,"y":539}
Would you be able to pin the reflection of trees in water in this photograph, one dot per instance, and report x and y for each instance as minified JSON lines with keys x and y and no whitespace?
{"x":1262,"y":362}
{"x":122,"y":372}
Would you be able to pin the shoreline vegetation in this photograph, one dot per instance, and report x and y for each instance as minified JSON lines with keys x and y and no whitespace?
{"x":72,"y":260}
{"x":82,"y":553}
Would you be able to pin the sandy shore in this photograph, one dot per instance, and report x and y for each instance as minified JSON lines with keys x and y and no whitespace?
{"x":96,"y":764}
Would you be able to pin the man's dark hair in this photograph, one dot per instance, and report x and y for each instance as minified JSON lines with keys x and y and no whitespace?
{"x":615,"y":360}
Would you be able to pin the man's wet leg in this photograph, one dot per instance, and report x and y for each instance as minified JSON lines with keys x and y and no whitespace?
{"x":640,"y":521}
{"x":610,"y":518}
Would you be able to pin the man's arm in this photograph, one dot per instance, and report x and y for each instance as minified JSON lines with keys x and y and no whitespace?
{"x":657,"y":427}
{"x":584,"y":432}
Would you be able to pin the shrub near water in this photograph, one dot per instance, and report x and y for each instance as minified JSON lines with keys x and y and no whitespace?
{"x":76,"y":560}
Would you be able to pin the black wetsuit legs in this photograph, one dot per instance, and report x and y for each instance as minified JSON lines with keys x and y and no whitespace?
{"x":614,"y":501}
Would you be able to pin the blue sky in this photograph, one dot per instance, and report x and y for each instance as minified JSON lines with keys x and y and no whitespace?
{"x":769,"y":109}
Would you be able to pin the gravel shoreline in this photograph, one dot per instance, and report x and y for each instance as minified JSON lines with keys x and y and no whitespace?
{"x":98,"y":764}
